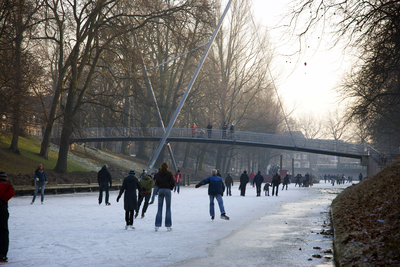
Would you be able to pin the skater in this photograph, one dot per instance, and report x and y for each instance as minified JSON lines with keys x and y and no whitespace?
{"x":129,"y":187}
{"x":258,"y":180}
{"x":41,"y":181}
{"x":6,"y":193}
{"x":103,"y":178}
{"x":298,"y":180}
{"x":252,"y":178}
{"x":178,"y":178}
{"x":155,"y":188}
{"x":266,"y":188}
{"x":216,"y":190}
{"x":286,"y":181}
{"x":165,"y":182}
{"x":209,"y":129}
{"x":229,"y":184}
{"x":244,"y":179}
{"x":276,"y":180}
{"x":147,"y":183}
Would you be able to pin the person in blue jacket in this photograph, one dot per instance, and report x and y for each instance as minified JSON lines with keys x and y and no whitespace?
{"x":41,"y":181}
{"x":216,"y":190}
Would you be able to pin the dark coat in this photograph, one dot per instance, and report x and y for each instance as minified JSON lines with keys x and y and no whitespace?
{"x":42,"y":177}
{"x":228,"y":180}
{"x":104,"y":176}
{"x":286,"y":179}
{"x":165,"y":180}
{"x":276,"y":180}
{"x":258,"y":179}
{"x":129,"y":186}
{"x":244,"y":178}
{"x":216,"y":185}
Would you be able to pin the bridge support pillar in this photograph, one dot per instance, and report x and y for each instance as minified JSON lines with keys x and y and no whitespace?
{"x":372,"y":165}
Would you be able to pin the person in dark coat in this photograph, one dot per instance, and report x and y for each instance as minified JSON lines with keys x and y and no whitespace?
{"x":6,"y":193}
{"x":244,"y":179}
{"x":258,"y":180}
{"x":104,"y":178}
{"x":286,"y":181}
{"x":128,"y":188}
{"x":209,"y":129}
{"x":216,"y":190}
{"x":298,"y":180}
{"x":229,"y":184}
{"x":41,"y":181}
{"x":165,"y":182}
{"x":276,"y":180}
{"x":224,"y":128}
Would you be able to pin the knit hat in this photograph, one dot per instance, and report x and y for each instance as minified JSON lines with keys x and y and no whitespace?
{"x":40,"y":167}
{"x":156,"y":170}
{"x":3,"y":176}
{"x":132,"y":172}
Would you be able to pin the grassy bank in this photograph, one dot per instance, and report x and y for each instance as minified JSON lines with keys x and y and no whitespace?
{"x":366,"y":221}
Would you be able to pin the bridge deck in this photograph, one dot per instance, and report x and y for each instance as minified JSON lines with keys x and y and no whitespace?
{"x":283,"y":142}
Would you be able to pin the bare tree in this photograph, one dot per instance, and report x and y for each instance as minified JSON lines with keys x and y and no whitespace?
{"x":310,"y":125}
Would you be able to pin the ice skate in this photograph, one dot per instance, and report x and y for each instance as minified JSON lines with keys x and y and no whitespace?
{"x":224,"y":217}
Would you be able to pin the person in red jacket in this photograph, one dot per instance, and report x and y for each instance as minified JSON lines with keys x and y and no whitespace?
{"x":178,"y":178}
{"x":6,"y":193}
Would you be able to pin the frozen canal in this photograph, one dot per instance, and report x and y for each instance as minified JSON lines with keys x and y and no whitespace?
{"x":73,"y":230}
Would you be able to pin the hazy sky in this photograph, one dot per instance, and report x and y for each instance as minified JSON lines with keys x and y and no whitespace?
{"x":308,"y":87}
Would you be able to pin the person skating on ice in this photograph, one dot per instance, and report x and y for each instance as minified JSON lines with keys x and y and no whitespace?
{"x":41,"y":181}
{"x":216,"y":190}
{"x":129,"y":187}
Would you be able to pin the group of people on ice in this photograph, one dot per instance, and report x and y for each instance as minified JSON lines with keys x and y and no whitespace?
{"x":340,"y":178}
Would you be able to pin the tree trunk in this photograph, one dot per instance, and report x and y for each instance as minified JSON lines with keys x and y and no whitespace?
{"x":66,"y":133}
{"x":186,"y":157}
{"x":17,"y":90}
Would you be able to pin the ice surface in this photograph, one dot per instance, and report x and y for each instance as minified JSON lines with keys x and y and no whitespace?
{"x":73,"y":230}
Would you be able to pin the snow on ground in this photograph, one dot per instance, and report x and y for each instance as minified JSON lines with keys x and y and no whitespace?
{"x":73,"y":230}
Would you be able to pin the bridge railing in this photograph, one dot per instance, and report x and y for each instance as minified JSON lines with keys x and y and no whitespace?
{"x":251,"y":137}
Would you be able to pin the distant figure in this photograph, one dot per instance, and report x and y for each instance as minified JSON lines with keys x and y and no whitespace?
{"x":216,"y":190}
{"x":194,"y":129}
{"x":325,"y":176}
{"x":244,"y":179}
{"x":224,"y":128}
{"x":178,"y":178}
{"x":209,"y":129}
{"x":232,"y":131}
{"x":298,"y":180}
{"x":285,"y":181}
{"x":147,"y":184}
{"x":266,"y":189}
{"x":41,"y":181}
{"x":276,"y":180}
{"x":6,"y":193}
{"x":219,"y":174}
{"x":252,"y":178}
{"x":360,"y":177}
{"x":307,"y":178}
{"x":144,"y":173}
{"x":258,"y":180}
{"x":104,"y":178}
{"x":165,"y":182}
{"x":128,"y":188}
{"x":155,"y":189}
{"x":229,"y":184}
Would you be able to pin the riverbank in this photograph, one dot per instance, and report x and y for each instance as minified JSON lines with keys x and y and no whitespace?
{"x":366,"y":221}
